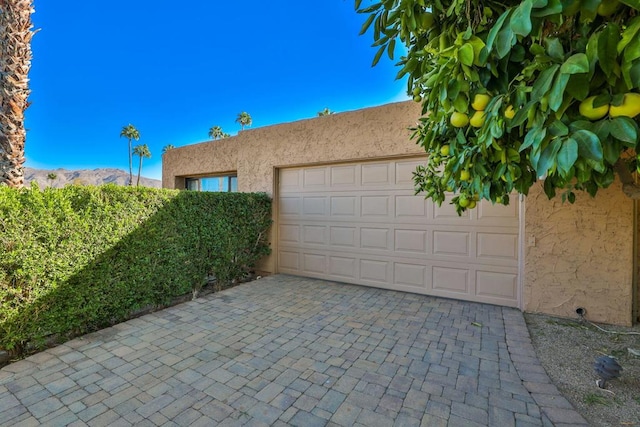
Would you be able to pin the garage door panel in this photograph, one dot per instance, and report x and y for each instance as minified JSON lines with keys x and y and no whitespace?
{"x":497,"y":284}
{"x":314,"y":234}
{"x":290,"y":179}
{"x":314,"y":178}
{"x":344,"y":267}
{"x":361,"y":223}
{"x":291,"y":206}
{"x":410,"y":206}
{"x":414,"y":275}
{"x":374,"y":238}
{"x":450,"y":279}
{"x":375,"y":174}
{"x":289,"y":260}
{"x":343,"y":206}
{"x":455,"y":243}
{"x":447,"y":212}
{"x":290,"y":233}
{"x":497,"y":245}
{"x":314,"y":263}
{"x":343,"y":236}
{"x":404,"y":172}
{"x":488,"y":210}
{"x":374,"y":206}
{"x":410,"y":240}
{"x":314,"y":206}
{"x":343,"y":176}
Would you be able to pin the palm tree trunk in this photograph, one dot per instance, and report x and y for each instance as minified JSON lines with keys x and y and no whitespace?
{"x":139,"y":171}
{"x":130,"y":164}
{"x":15,"y":62}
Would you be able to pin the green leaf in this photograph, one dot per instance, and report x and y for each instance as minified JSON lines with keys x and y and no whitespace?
{"x":548,"y":157}
{"x":575,"y":64}
{"x":632,"y":51}
{"x":554,"y":48}
{"x":367,"y":24}
{"x":611,"y":151}
{"x":557,"y":128}
{"x":505,"y":41}
{"x":635,"y":4}
{"x":391,"y":48}
{"x":625,"y":130}
{"x":533,"y":138}
{"x":377,"y":56}
{"x":592,"y":53}
{"x":520,"y":22}
{"x":465,"y":54}
{"x":607,"y":48}
{"x":551,"y":8}
{"x":629,"y":34}
{"x":557,"y":91}
{"x":496,"y":28}
{"x":567,"y":156}
{"x":589,"y":145}
{"x":578,"y":86}
{"x":544,"y":82}
{"x":600,"y":128}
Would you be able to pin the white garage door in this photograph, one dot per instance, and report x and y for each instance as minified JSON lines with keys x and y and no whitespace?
{"x":361,"y":223}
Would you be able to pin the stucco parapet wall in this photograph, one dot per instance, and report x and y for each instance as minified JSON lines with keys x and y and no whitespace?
{"x":254,"y":153}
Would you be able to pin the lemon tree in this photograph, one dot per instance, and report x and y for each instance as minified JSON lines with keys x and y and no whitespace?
{"x":518,"y":92}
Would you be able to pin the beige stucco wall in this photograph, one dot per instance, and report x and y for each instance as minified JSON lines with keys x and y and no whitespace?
{"x":582,"y":254}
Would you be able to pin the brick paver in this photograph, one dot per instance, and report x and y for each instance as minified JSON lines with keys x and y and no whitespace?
{"x":293,"y":351}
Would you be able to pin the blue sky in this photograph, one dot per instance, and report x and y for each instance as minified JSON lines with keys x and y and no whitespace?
{"x":173,"y":70}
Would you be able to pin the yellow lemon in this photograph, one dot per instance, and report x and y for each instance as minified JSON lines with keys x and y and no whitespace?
{"x":472,"y":204}
{"x":509,"y":112}
{"x":459,"y":120}
{"x":445,"y":150}
{"x":463,"y":202}
{"x":480,"y":101}
{"x":465,"y":175}
{"x":630,"y":106}
{"x":587,"y":110}
{"x":477,"y":120}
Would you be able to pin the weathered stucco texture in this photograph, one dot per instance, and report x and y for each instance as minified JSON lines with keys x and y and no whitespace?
{"x":583,"y":255}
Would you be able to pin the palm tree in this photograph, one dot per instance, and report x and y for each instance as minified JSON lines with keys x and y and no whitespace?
{"x":130,"y":132}
{"x":143,"y":152}
{"x":52,"y":177}
{"x":167,"y":148}
{"x":225,"y":135}
{"x":244,"y":119}
{"x":15,"y":62}
{"x":325,"y":112}
{"x":216,"y":132}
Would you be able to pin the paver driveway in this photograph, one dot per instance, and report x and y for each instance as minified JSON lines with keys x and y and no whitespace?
{"x":292,"y":351}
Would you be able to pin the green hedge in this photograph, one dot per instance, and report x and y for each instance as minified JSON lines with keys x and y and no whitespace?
{"x":76,"y":259}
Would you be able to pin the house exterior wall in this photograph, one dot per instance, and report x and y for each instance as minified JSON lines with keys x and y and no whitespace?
{"x":583,"y":254}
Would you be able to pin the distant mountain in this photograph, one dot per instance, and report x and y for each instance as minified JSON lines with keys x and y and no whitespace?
{"x":84,"y":177}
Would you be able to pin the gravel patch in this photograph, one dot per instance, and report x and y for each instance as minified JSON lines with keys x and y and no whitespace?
{"x":567,"y":350}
